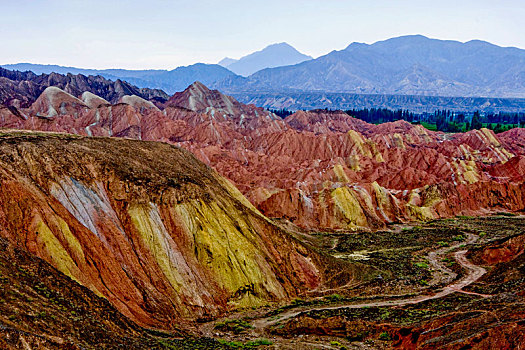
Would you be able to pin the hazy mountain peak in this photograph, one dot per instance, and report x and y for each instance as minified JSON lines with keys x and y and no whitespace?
{"x":479,"y":43}
{"x":274,"y":55}
{"x":226,"y":61}
{"x":279,"y":45}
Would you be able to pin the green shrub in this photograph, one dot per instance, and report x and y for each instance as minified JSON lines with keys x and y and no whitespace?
{"x":259,"y":342}
{"x":297,"y":302}
{"x":459,"y":238}
{"x":334,"y":297}
{"x":422,"y":265}
{"x":385,"y":336}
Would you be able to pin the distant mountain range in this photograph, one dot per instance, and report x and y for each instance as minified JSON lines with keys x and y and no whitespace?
{"x":343,"y":101}
{"x":21,"y":89}
{"x":409,"y":65}
{"x":170,"y":81}
{"x":404,"y":66}
{"x":178,"y":79}
{"x":276,"y":55}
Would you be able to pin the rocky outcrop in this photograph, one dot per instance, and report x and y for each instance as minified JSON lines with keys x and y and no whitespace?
{"x":147,"y":226}
{"x":514,"y":140}
{"x":198,"y":98}
{"x":21,"y":89}
{"x":138,"y":102}
{"x":54,"y":101}
{"x":324,"y":121}
{"x":92,"y":100}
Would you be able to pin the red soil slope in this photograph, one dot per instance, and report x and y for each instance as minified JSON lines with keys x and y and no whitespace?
{"x":318,"y":169}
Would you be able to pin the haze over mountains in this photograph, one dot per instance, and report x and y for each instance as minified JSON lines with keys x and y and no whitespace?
{"x":178,"y":79}
{"x":409,"y":65}
{"x":276,"y":55}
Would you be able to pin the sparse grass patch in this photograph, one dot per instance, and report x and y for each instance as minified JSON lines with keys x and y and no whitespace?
{"x":258,"y":342}
{"x":503,"y":213}
{"x":248,"y":345}
{"x":334,"y":297}
{"x":233,"y":344}
{"x":235,"y":326}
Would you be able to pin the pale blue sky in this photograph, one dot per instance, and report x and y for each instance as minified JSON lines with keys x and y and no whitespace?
{"x":166,"y":34}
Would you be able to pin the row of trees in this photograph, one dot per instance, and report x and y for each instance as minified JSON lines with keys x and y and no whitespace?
{"x":498,"y":122}
{"x":442,"y":120}
{"x":283,"y":113}
{"x":383,"y":115}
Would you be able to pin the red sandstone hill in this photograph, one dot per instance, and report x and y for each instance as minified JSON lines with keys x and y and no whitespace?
{"x":318,"y":169}
{"x":145,"y":225}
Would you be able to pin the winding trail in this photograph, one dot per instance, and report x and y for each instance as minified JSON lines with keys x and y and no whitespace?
{"x":474,"y":272}
{"x":441,"y":274}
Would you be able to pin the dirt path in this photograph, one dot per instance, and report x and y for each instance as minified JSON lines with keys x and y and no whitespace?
{"x":474,"y":272}
{"x":441,"y":274}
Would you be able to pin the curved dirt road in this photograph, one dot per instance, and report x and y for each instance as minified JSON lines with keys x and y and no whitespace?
{"x":474,"y":272}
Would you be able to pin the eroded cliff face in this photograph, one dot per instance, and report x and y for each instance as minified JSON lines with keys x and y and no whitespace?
{"x":146,"y":225}
{"x":319,"y":169}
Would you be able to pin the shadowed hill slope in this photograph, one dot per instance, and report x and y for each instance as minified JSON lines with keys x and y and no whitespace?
{"x":41,"y":308}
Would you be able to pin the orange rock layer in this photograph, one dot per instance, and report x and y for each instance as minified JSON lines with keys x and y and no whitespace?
{"x":319,"y":169}
{"x":145,"y":225}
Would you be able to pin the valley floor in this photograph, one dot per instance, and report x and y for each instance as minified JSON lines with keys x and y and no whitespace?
{"x":455,"y":283}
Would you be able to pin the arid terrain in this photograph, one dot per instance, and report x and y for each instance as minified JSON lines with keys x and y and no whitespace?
{"x":199,"y":221}
{"x":321,"y":170}
{"x":455,"y":284}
